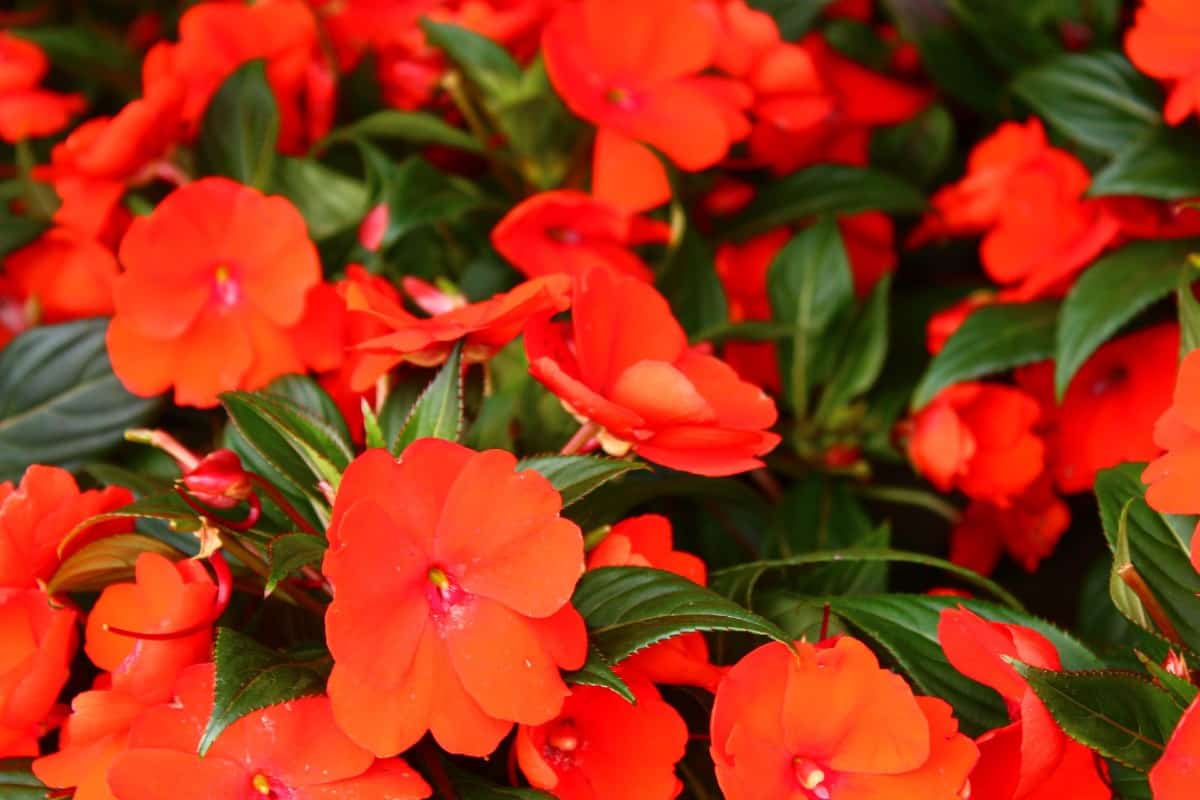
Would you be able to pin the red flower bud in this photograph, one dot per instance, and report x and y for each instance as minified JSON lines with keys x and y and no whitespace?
{"x":373,"y":227}
{"x":219,"y":480}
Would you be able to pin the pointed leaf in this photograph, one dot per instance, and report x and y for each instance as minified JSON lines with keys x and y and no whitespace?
{"x":1162,"y":164}
{"x":1189,"y":308}
{"x":105,"y":561}
{"x":574,"y":477}
{"x":438,"y":413}
{"x":240,"y":128}
{"x":17,"y":781}
{"x":865,"y":351}
{"x":291,"y":552}
{"x":417,"y":127}
{"x":597,"y":672}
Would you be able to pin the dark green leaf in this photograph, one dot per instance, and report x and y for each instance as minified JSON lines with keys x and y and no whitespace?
{"x":1123,"y":597}
{"x":993,"y":339}
{"x":1109,"y":294}
{"x":438,"y":412}
{"x":1182,"y":692}
{"x":1128,"y":784}
{"x":824,"y":189}
{"x":918,"y":150}
{"x":60,"y":402}
{"x":574,"y":477}
{"x":691,"y":285}
{"x":1163,"y":164}
{"x":484,"y":62}
{"x":1098,"y":99}
{"x":17,"y":781}
{"x":864,"y":351}
{"x":290,"y":553}
{"x":105,"y":561}
{"x":905,"y":626}
{"x":810,"y":285}
{"x":240,"y":129}
{"x":418,"y":127}
{"x":1006,"y":30}
{"x":310,"y":396}
{"x":1120,"y":715}
{"x":794,"y":17}
{"x":1189,"y":310}
{"x":18,"y":231}
{"x":329,"y":201}
{"x":416,"y":193}
{"x":251,"y":677}
{"x":597,"y":672}
{"x":630,"y":608}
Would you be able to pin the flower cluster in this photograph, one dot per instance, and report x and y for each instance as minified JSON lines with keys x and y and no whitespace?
{"x":599,"y":400}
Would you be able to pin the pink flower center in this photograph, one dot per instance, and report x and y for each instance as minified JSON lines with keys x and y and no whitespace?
{"x":1110,"y":380}
{"x":443,"y":594}
{"x":811,"y":778}
{"x":565,"y":235}
{"x":269,"y":788}
{"x":622,"y":98}
{"x":226,"y":289}
{"x":562,"y":743}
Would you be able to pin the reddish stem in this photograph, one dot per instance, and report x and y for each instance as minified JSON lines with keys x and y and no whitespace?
{"x":282,"y":502}
{"x":586,"y":432}
{"x":220,"y":568}
{"x":825,"y":613}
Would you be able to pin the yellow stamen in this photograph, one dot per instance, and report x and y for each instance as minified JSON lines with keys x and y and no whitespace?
{"x":223,"y":273}
{"x":438,"y":578}
{"x":261,"y":785}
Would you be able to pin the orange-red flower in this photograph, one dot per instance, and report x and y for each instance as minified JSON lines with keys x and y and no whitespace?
{"x":89,"y":741}
{"x":1030,"y":759}
{"x":874,"y":738}
{"x":1173,"y":476}
{"x":980,"y":439}
{"x":568,"y":231}
{"x":37,"y":639}
{"x":217,"y":38}
{"x":483,"y":327}
{"x":1107,"y":416}
{"x":623,"y":362}
{"x":1174,"y":776}
{"x":65,"y":275}
{"x":601,"y":745}
{"x":647,"y":541}
{"x":452,"y":576}
{"x":1026,"y":197}
{"x":1028,"y":529}
{"x":216,"y":315}
{"x":1164,"y":42}
{"x":632,"y":67}
{"x":25,"y":110}
{"x":292,"y":751}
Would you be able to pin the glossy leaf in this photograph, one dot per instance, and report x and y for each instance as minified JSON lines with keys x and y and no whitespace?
{"x":596,"y":671}
{"x":240,"y":128}
{"x":574,"y":477}
{"x":60,"y":402}
{"x":629,"y":608}
{"x":251,"y":677}
{"x":483,"y":61}
{"x":291,"y":552}
{"x":991,"y":340}
{"x":417,"y":127}
{"x":438,"y":412}
{"x":105,"y":561}
{"x":1163,"y":164}
{"x":1109,"y":294}
{"x":863,"y":353}
{"x":330,"y":201}
{"x":1120,"y":715}
{"x":919,"y":149}
{"x":17,"y":781}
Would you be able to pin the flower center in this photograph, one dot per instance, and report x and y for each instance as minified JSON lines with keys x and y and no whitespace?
{"x":811,"y":778}
{"x":261,"y":785}
{"x":621,"y":97}
{"x":562,"y":742}
{"x":565,"y":235}
{"x":1110,"y":380}
{"x":443,"y":594}
{"x":226,"y":289}
{"x":270,"y":788}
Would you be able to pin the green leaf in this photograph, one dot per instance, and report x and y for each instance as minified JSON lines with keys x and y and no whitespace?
{"x":438,"y":412}
{"x":1123,"y":597}
{"x":251,"y":677}
{"x":1109,"y":294}
{"x":691,"y":286}
{"x":597,"y":672}
{"x":1120,"y":715}
{"x":483,"y":61}
{"x":105,"y":561}
{"x":330,"y":201}
{"x":630,"y":608}
{"x":574,"y":477}
{"x":1128,"y":784}
{"x":810,"y":285}
{"x":905,"y":626}
{"x":993,"y":339}
{"x":290,"y":553}
{"x":865,"y":350}
{"x":1158,"y":549}
{"x":60,"y":402}
{"x":17,"y":781}
{"x":240,"y":129}
{"x":1189,"y":309}
{"x":18,"y":231}
{"x":417,"y":127}
{"x":469,"y":786}
{"x":794,"y":17}
{"x":824,"y":189}
{"x":416,"y":193}
{"x":1098,"y":98}
{"x":1182,"y":692}
{"x":919,"y":149}
{"x":1163,"y":164}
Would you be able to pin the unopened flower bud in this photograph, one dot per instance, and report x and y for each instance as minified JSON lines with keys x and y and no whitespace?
{"x":219,"y":480}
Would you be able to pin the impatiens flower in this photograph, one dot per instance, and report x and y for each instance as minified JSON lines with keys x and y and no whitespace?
{"x":90,"y":740}
{"x":1107,"y":416}
{"x":292,"y":751}
{"x":1026,"y":197}
{"x":568,"y":231}
{"x":980,"y":439}
{"x":632,"y":68}
{"x":38,"y":638}
{"x":217,"y":38}
{"x":1173,"y":476}
{"x":66,"y":275}
{"x":1030,"y":759}
{"x":1174,"y":776}
{"x":1028,"y":529}
{"x":484,"y":328}
{"x":216,"y":315}
{"x":27,"y":111}
{"x":603,"y":746}
{"x":623,"y":362}
{"x":647,"y":541}
{"x":827,"y":723}
{"x":452,"y":577}
{"x":1164,"y":43}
